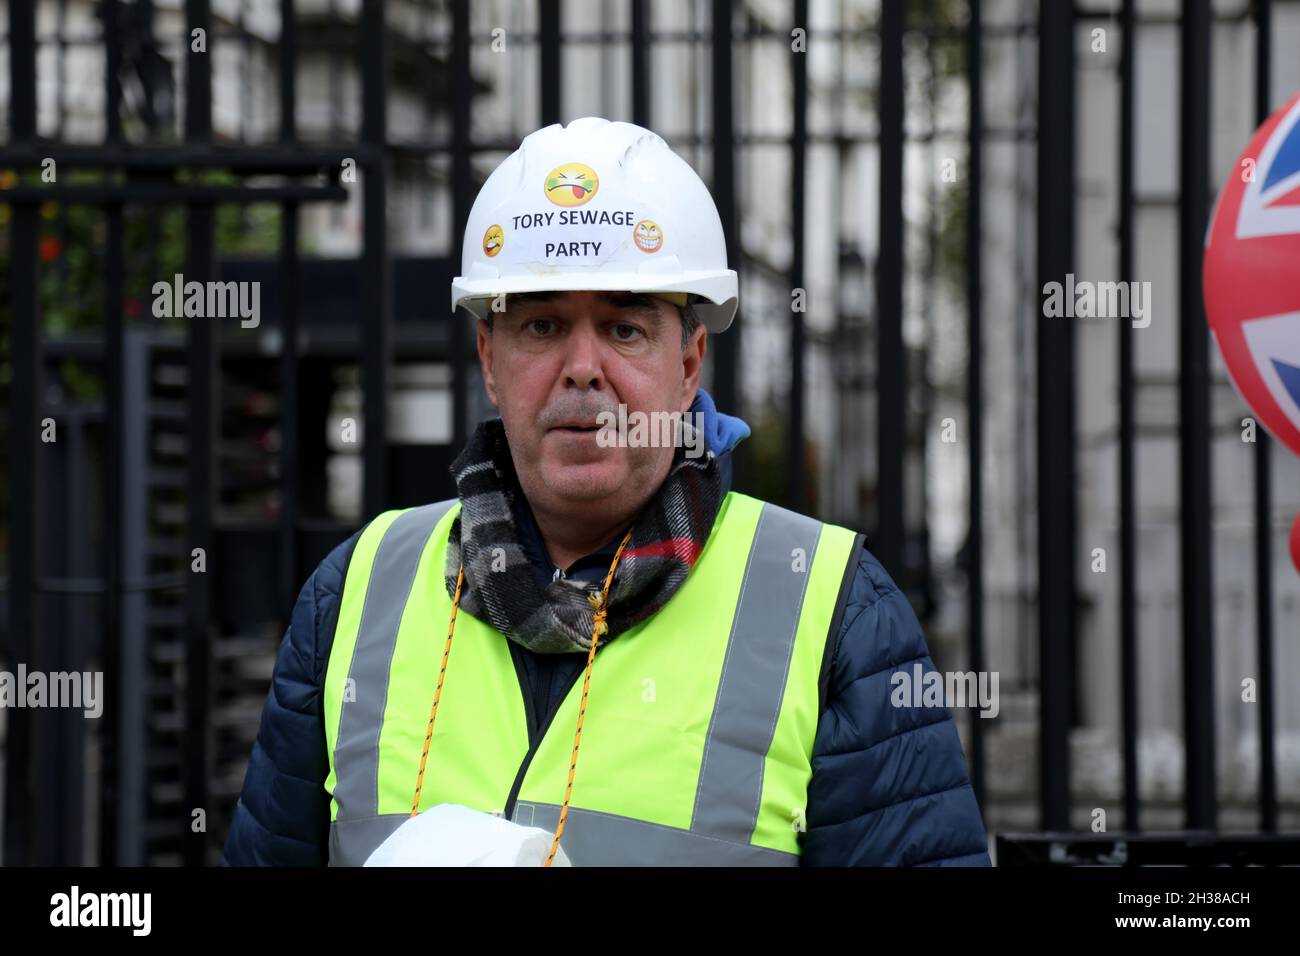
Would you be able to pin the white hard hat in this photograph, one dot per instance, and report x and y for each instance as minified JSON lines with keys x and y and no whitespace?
{"x":600,"y":206}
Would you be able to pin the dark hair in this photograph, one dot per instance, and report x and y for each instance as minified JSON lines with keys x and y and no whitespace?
{"x":690,"y":322}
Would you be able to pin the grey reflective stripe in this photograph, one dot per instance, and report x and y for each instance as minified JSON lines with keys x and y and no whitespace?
{"x":352,"y":841}
{"x":356,"y":749}
{"x":602,"y":839}
{"x":753,"y":676}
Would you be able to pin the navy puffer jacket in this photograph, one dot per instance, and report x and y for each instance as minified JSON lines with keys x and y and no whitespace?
{"x":889,"y":784}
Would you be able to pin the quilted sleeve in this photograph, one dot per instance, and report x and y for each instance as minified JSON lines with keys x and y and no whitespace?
{"x":282,"y":816}
{"x":889,"y":784}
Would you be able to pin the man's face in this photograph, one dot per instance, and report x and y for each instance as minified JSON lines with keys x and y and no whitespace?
{"x":554,"y":361}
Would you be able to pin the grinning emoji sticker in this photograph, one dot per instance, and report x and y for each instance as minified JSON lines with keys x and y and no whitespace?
{"x":648,"y":236}
{"x":493,"y":240}
{"x":571,"y":184}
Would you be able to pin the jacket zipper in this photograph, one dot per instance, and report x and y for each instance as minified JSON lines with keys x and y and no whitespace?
{"x":536,"y":733}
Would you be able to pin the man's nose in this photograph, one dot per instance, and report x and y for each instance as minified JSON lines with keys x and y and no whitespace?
{"x":582,"y":359}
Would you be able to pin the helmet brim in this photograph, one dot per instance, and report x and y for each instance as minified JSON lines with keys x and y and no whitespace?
{"x":714,"y":293}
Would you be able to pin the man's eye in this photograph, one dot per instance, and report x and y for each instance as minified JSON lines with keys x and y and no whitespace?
{"x":626,"y":333}
{"x":539,"y":326}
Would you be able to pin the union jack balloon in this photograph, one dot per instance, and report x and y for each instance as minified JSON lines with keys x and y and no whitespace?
{"x":1251,"y":278}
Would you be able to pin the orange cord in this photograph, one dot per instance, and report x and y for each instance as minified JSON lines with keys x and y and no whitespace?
{"x":598,"y":627}
{"x":437,"y":694}
{"x":601,"y":603}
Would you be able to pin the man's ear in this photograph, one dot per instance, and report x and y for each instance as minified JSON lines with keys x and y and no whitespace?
{"x":485,"y":361}
{"x":693,"y":365}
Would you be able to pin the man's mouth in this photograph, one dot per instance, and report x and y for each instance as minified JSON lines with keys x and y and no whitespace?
{"x":576,"y":429}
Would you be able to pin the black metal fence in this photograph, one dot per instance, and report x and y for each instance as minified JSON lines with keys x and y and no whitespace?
{"x":177,"y":662}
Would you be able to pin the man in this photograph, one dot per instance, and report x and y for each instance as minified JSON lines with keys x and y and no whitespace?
{"x":650,"y":667}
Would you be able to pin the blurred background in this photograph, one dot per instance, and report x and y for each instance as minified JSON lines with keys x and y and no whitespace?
{"x":897,"y":181}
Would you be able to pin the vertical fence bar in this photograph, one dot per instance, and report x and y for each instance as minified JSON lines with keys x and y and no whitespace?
{"x":112,"y":64}
{"x":287,"y":72}
{"x":927,"y":298}
{"x":975,"y":368}
{"x":462,"y":86}
{"x":55,"y":740}
{"x":290,"y":506}
{"x":891,"y":379}
{"x":1194,"y":419}
{"x":548,"y":18}
{"x":117,"y":736}
{"x":290,"y":279}
{"x":60,"y":66}
{"x":798,"y":167}
{"x":726,"y":348}
{"x":1127,"y":500}
{"x":335,"y":74}
{"x":375,"y":326}
{"x":640,"y":63}
{"x":1055,"y":426}
{"x":1264,"y":500}
{"x":24,"y":340}
{"x":201,"y":356}
{"x":114,"y":409}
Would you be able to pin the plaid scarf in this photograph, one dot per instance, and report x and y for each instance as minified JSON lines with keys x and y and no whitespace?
{"x":667,"y":538}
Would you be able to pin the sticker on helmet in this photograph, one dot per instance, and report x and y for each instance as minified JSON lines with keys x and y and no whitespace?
{"x":648,"y":236}
{"x":571,"y":184}
{"x":493,"y":240}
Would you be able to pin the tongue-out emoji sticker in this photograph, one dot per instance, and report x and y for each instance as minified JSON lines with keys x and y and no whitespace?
{"x":493,"y":240}
{"x":571,"y":184}
{"x":648,"y":236}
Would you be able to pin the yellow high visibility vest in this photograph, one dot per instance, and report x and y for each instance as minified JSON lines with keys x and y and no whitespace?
{"x":697,"y":741}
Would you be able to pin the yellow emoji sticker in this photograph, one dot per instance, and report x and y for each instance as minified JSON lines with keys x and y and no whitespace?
{"x":493,"y":240}
{"x":571,"y":184}
{"x":648,"y":236}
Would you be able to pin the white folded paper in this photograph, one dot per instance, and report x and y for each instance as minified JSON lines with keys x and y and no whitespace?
{"x":454,"y":835}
